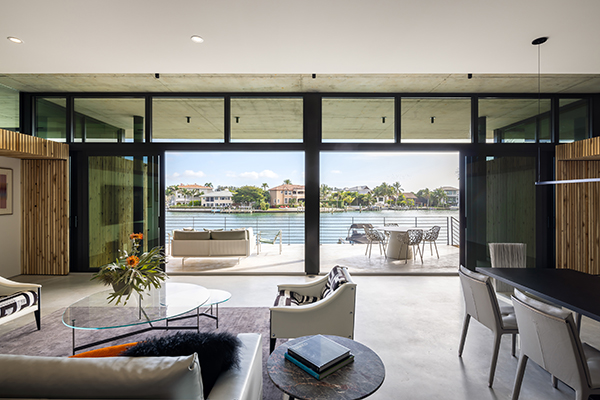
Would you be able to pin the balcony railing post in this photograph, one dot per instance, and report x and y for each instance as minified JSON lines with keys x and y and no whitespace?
{"x":447,"y":231}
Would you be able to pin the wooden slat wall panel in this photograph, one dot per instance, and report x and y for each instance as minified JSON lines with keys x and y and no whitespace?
{"x":578,"y":206}
{"x":45,"y":227}
{"x":17,"y":145}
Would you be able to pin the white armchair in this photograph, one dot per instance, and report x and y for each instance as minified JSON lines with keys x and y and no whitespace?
{"x":325,"y":306}
{"x":18,"y":299}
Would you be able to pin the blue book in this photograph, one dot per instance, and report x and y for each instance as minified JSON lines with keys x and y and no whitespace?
{"x":321,"y":375}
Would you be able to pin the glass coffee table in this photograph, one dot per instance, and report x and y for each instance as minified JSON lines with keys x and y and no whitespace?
{"x":168,"y":303}
{"x":217,"y":297}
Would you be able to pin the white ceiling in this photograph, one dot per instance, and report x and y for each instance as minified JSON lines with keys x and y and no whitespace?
{"x":299,"y":37}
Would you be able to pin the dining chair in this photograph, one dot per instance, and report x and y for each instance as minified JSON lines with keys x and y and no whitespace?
{"x":374,"y":236}
{"x":507,"y":255}
{"x":549,"y":338}
{"x":431,"y":236}
{"x":412,"y":238}
{"x":482,"y":305}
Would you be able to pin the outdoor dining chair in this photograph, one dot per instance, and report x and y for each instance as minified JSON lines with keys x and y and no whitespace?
{"x":431,"y":236}
{"x":412,"y":238}
{"x":374,"y":236}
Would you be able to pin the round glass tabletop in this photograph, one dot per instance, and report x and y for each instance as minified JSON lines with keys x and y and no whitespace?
{"x":169,"y":301}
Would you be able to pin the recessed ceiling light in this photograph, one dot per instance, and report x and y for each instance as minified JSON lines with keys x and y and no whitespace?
{"x":15,"y":39}
{"x":197,"y":39}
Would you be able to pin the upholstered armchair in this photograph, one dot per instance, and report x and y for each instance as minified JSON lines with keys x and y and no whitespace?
{"x":325,"y":306}
{"x":18,"y":299}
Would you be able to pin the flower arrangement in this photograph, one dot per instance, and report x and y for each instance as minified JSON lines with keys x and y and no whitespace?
{"x":134,"y":271}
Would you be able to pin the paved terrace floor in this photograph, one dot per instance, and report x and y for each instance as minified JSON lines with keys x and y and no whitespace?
{"x":291,"y":262}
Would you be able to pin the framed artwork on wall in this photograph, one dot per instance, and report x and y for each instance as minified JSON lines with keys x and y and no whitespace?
{"x":6,"y":191}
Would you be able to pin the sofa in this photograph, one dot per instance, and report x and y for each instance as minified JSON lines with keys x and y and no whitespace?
{"x":130,"y":377}
{"x":212,"y":243}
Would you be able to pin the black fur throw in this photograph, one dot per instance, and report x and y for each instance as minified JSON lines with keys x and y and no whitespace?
{"x":217,"y":352}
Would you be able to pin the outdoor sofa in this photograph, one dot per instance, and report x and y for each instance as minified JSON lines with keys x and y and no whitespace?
{"x":189,"y":243}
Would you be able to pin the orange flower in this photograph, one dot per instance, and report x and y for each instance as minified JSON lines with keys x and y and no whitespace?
{"x":138,"y":236}
{"x":132,"y":261}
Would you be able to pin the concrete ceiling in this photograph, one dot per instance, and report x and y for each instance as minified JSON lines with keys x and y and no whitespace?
{"x":299,"y":37}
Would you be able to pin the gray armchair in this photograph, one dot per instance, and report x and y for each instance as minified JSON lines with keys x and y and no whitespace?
{"x":325,"y":306}
{"x":19,"y":299}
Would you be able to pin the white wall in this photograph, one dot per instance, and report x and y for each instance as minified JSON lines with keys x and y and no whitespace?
{"x":10,"y":225}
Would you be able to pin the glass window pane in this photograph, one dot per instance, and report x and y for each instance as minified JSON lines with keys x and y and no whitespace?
{"x":51,"y":118}
{"x":514,"y":120}
{"x":188,"y":120}
{"x":500,"y":204}
{"x":436,"y":120}
{"x":266,"y":119}
{"x":109,"y":120}
{"x":573,"y":120}
{"x":358,"y":120}
{"x":9,"y":109}
{"x":123,"y":199}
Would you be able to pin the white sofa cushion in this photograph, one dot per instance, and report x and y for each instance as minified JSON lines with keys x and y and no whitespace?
{"x":100,"y":378}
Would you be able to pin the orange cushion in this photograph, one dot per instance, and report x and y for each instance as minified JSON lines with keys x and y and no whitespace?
{"x":111,"y":351}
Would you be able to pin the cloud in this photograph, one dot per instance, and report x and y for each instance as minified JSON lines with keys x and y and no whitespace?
{"x":249,"y":175}
{"x":267,"y":173}
{"x":336,"y":171}
{"x":255,"y":175}
{"x":195,"y":174}
{"x":176,"y":175}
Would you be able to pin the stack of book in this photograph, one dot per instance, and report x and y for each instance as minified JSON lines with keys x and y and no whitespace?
{"x":319,"y":356}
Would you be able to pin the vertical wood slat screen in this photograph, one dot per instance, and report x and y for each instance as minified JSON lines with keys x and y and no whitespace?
{"x":578,"y":206}
{"x":45,"y":225}
{"x":44,"y":202}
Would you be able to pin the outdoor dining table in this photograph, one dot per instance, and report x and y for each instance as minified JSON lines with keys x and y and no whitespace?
{"x":395,"y":248}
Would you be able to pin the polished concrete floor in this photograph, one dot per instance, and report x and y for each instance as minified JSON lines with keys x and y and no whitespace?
{"x":291,"y":261}
{"x":412,"y":322}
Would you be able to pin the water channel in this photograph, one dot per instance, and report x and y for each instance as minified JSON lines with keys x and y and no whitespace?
{"x":333,"y":227}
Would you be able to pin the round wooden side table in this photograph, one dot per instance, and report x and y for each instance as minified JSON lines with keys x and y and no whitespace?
{"x":356,"y":380}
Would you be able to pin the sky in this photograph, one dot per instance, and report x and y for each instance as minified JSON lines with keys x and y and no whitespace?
{"x":414,"y":171}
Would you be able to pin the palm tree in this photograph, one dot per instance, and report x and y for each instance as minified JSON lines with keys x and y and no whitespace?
{"x":265,"y":186}
{"x":325,"y":193}
{"x":348,"y":198}
{"x":287,"y":182}
{"x":398,"y":190}
{"x":208,"y":184}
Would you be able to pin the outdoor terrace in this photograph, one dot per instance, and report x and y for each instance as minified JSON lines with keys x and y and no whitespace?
{"x":291,"y":261}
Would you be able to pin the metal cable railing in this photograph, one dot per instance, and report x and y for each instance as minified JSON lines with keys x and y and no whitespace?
{"x":333,"y":227}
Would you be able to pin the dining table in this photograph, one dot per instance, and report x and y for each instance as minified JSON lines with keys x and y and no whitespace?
{"x":574,"y":290}
{"x":396,"y":249}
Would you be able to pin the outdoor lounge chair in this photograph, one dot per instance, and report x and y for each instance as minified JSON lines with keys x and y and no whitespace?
{"x":260,"y":239}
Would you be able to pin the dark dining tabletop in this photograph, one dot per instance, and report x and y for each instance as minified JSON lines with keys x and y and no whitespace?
{"x":577,"y":291}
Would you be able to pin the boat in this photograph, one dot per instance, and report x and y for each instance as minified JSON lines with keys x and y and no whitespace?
{"x":356,"y":233}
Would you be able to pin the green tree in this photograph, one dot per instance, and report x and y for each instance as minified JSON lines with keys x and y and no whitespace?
{"x":265,"y":186}
{"x":439,"y":198}
{"x":249,"y":195}
{"x":425,"y":194}
{"x":287,"y":182}
{"x":209,"y":184}
{"x":397,"y":191}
